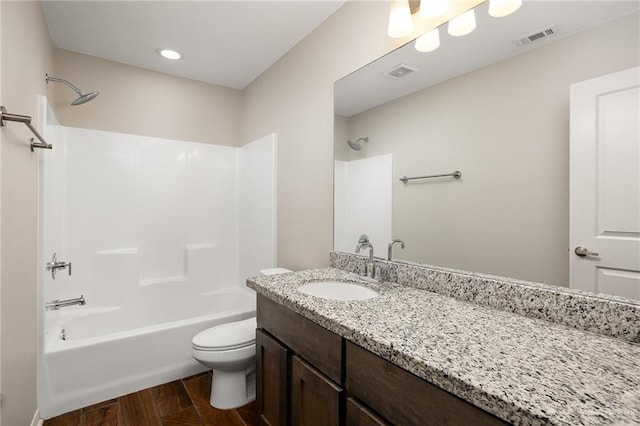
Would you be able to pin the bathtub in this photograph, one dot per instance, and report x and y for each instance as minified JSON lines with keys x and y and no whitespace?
{"x":109,"y":351}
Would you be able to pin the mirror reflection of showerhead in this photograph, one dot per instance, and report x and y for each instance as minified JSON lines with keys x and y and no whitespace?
{"x":82,"y":97}
{"x":355,"y":143}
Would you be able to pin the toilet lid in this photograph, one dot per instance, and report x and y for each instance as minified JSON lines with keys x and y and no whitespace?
{"x":227,"y":336}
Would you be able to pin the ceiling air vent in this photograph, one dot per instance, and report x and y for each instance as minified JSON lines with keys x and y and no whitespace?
{"x":399,"y":71}
{"x":536,"y":36}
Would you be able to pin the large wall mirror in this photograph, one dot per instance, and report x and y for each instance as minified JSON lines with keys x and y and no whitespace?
{"x":496,"y":110}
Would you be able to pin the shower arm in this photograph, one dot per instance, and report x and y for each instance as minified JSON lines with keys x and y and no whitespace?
{"x":26,"y":119}
{"x":60,"y":80}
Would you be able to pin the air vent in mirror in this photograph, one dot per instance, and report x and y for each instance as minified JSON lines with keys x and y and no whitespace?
{"x":538,"y":35}
{"x":399,"y":71}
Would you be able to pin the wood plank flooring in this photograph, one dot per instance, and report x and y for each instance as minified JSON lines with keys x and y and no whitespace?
{"x":180,"y":403}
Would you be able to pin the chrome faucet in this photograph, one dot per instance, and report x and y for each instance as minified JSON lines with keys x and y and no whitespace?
{"x":363,"y":242}
{"x":57,"y":304}
{"x":390,"y":248}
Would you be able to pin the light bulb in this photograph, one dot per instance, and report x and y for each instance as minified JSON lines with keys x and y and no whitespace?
{"x":428,"y":42}
{"x":463,"y":24}
{"x":169,"y":54}
{"x":500,"y":8}
{"x":400,"y":22}
{"x":433,"y":8}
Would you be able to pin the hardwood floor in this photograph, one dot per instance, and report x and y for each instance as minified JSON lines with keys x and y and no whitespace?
{"x":181,"y":403}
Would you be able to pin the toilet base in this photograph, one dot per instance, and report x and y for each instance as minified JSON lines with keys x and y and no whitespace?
{"x":232,"y":389}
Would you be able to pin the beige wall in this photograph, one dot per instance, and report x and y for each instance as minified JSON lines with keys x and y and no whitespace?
{"x":506,"y":127}
{"x":142,"y":102}
{"x":294,"y":98}
{"x":26,"y":57}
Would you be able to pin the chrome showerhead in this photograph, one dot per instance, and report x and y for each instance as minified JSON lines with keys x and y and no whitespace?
{"x":82,"y":97}
{"x":355,"y":143}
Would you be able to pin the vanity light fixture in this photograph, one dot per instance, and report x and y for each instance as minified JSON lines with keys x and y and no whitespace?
{"x":169,"y":54}
{"x":500,"y":8}
{"x":429,"y":41}
{"x":433,"y":8}
{"x":400,"y":21}
{"x":460,"y":25}
{"x":463,"y":24}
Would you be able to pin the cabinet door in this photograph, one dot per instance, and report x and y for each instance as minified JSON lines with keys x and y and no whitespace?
{"x":315,"y":399}
{"x":272,"y":379}
{"x":359,"y":415}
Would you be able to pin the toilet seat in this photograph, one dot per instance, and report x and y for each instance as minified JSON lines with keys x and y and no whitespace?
{"x":225,"y":348}
{"x":227,"y":337}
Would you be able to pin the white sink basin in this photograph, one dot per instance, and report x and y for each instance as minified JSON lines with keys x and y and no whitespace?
{"x":336,"y":290}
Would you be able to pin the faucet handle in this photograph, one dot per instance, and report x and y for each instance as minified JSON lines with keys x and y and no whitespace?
{"x":390,"y":248}
{"x":54,"y":265}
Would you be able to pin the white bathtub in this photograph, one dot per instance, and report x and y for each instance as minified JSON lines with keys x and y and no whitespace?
{"x":111,"y":351}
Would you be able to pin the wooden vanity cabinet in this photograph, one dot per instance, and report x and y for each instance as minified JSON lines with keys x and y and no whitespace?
{"x":309,"y":376}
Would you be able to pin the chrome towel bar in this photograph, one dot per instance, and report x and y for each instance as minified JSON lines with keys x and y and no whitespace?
{"x":26,"y":119}
{"x":455,"y":175}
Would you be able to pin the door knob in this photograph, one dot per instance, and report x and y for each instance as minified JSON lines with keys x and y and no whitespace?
{"x":583,"y":251}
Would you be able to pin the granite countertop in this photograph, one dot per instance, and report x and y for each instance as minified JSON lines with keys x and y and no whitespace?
{"x":526,"y":371}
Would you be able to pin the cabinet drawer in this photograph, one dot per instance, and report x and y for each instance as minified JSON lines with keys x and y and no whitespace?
{"x":403,"y":398}
{"x":319,"y":346}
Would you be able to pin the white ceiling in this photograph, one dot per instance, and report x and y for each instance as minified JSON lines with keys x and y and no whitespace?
{"x":228,"y":43}
{"x":491,"y":42}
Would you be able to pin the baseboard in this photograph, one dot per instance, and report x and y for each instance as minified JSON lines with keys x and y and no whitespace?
{"x":37,"y":421}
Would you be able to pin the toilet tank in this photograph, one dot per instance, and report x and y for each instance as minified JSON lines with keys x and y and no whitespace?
{"x":274,"y":271}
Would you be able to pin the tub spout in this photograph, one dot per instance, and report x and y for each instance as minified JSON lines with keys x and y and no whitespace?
{"x":57,"y":304}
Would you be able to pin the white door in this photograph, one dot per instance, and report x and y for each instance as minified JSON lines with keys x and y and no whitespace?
{"x":604,"y":237}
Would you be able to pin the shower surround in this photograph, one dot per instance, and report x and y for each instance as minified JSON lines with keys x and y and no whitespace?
{"x":161,"y":235}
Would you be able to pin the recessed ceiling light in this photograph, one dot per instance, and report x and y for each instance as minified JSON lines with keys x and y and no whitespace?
{"x":169,"y":54}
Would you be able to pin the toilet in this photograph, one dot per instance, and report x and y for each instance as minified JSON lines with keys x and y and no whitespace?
{"x":229,"y":350}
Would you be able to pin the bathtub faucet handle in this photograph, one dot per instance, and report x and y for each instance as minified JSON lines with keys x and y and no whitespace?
{"x":54,"y":265}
